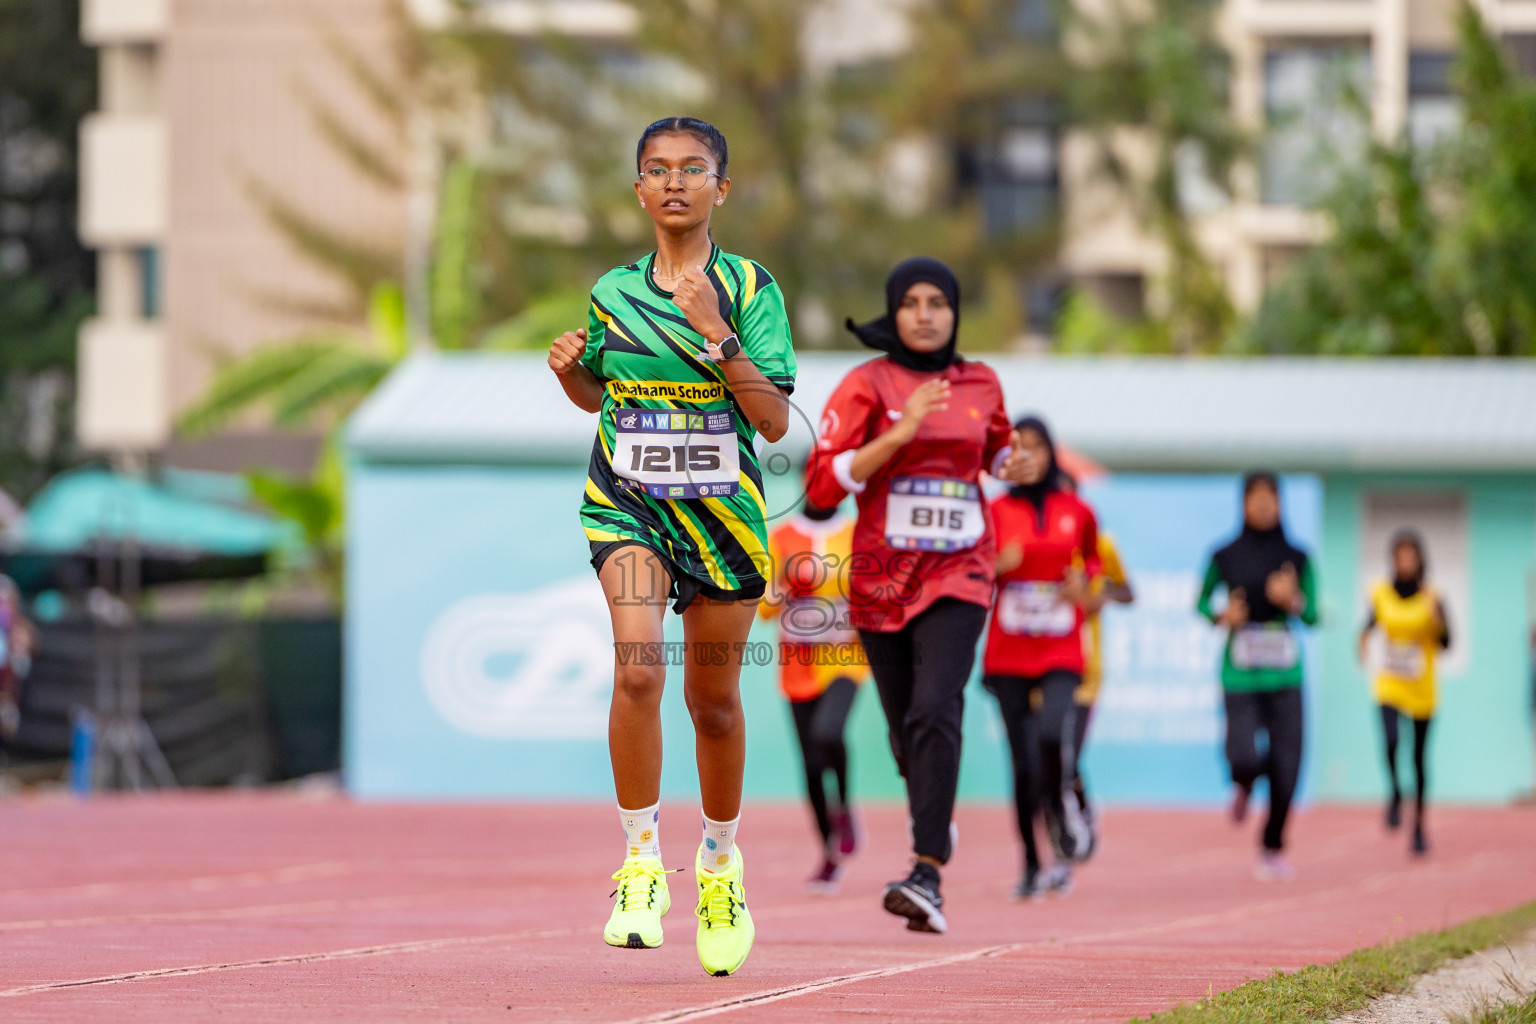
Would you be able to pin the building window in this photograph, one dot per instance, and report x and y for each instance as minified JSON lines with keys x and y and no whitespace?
{"x":1434,"y":115}
{"x":1034,"y":19}
{"x":1014,"y":178}
{"x":1317,"y":113}
{"x":1521,"y":48}
{"x":148,"y":258}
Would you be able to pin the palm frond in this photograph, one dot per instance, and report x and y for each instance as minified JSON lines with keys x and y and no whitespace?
{"x":336,"y":381}
{"x":540,"y":323}
{"x":388,"y":326}
{"x":253,"y":378}
{"x":307,"y":503}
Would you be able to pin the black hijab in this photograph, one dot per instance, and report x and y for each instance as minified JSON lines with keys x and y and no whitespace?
{"x":1406,"y":587}
{"x":1247,"y":562}
{"x":1050,"y":482}
{"x":881,"y":333}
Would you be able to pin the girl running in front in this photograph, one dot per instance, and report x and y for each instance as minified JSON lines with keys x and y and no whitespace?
{"x":1048,"y":550}
{"x":1411,"y":617}
{"x":821,"y":667}
{"x":909,"y":434}
{"x":686,"y":358}
{"x":1269,"y":582}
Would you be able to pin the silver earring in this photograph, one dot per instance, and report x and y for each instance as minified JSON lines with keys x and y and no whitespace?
{"x":719,"y":201}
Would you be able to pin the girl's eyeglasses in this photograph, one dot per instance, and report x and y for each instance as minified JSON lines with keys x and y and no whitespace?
{"x":693,"y":177}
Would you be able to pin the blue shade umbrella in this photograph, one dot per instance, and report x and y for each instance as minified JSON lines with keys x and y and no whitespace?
{"x":184,"y":525}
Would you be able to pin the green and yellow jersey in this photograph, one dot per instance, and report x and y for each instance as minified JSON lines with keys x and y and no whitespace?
{"x":674,"y":465}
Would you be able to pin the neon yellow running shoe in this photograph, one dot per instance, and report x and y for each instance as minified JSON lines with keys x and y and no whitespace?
{"x":639,"y":902}
{"x":725,"y":926}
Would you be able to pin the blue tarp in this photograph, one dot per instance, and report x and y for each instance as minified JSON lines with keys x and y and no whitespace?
{"x":191,"y":512}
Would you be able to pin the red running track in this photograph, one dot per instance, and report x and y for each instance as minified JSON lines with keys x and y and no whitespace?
{"x":278,"y":907}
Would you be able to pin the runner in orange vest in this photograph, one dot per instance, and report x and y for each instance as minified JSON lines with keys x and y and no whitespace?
{"x":822,"y":665}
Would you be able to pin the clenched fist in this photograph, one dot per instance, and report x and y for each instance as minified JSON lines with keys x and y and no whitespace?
{"x":928,"y":397}
{"x":1235,"y":614}
{"x":696,"y":297}
{"x":1283,"y":588}
{"x":566,"y":352}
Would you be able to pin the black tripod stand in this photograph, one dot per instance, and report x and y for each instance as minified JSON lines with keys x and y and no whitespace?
{"x":126,"y":751}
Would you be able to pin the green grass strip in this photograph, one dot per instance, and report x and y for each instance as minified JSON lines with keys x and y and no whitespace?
{"x":1504,"y":1013}
{"x":1321,"y":992}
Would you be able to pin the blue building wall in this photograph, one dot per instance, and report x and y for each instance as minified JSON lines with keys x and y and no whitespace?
{"x":1480,"y":743}
{"x":479,"y":657}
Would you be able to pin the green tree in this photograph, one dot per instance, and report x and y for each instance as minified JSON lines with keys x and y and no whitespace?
{"x":47,"y":84}
{"x":978,"y":79}
{"x":1160,"y":70}
{"x":1433,"y":252}
{"x":549,"y":212}
{"x":812,"y":149}
{"x":312,"y":379}
{"x":1375,"y":287}
{"x":1491,"y":236}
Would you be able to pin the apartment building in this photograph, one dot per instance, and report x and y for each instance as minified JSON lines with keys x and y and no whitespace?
{"x":203,"y":105}
{"x":204,"y":100}
{"x":1295,"y":65}
{"x":1302,"y":69}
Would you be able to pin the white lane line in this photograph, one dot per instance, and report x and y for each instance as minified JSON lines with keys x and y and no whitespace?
{"x":774,"y":995}
{"x":1370,"y":884}
{"x":201,"y":883}
{"x":236,"y":913}
{"x":419,"y":946}
{"x":425,"y":945}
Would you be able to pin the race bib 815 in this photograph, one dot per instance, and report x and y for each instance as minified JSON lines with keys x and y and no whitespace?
{"x":930,"y":513}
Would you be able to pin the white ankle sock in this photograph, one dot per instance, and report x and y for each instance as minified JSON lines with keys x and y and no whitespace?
{"x":719,"y":844}
{"x":642,"y":831}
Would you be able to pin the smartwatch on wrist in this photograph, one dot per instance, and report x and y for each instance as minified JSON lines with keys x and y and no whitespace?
{"x":730,"y":347}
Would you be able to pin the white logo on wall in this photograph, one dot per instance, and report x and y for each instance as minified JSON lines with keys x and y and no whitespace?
{"x":1161,"y":662}
{"x":536,"y":665}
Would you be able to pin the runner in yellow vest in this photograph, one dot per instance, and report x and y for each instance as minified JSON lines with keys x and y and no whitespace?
{"x":1114,"y":585}
{"x":1411,"y":617}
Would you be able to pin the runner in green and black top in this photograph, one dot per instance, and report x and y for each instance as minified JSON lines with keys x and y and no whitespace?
{"x":1269,"y":581}
{"x":651,"y":358}
{"x":686,"y":359}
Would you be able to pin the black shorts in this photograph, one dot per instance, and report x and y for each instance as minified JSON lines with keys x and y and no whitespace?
{"x":684,"y":587}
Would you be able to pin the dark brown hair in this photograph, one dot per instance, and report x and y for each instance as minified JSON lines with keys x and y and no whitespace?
{"x":705,"y":132}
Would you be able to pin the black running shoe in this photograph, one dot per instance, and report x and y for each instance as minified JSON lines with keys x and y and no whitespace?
{"x":1058,"y":880}
{"x":1420,"y":844}
{"x":917,"y":899}
{"x":1029,"y":888}
{"x":1238,"y":809}
{"x":1395,"y":810}
{"x":1084,"y":829}
{"x":1063,"y":837}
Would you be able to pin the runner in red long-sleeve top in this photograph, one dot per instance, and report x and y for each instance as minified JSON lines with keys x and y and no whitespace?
{"x":910,"y":435}
{"x":1047,"y":540}
{"x":929,"y":549}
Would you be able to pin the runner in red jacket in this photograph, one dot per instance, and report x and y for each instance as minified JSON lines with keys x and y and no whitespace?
{"x":910,"y":434}
{"x":1047,"y":541}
